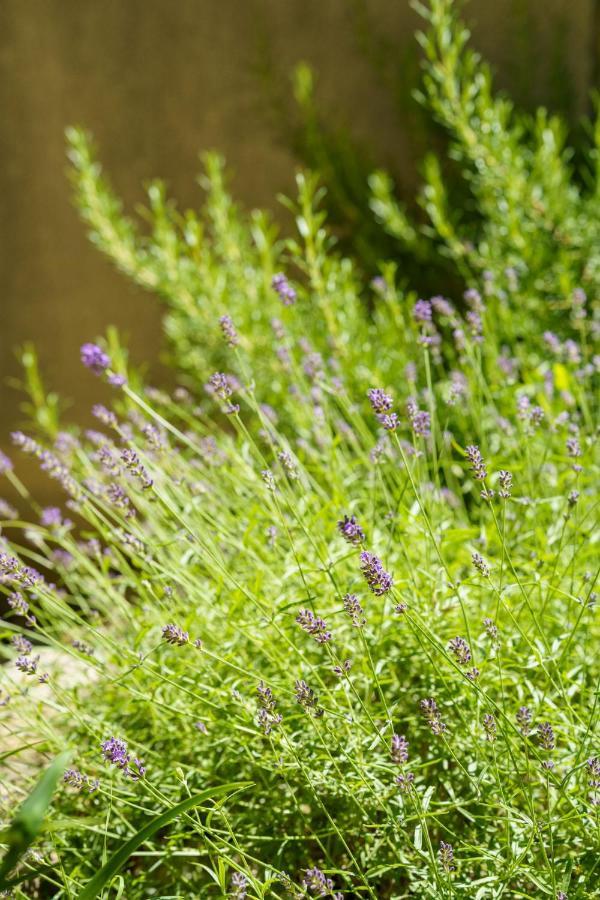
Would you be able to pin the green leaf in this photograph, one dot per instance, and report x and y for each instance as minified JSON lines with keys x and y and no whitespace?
{"x":120,"y":856}
{"x":29,"y":818}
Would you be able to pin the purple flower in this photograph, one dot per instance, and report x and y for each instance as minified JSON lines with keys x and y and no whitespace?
{"x":94,"y":358}
{"x":306,"y":697}
{"x":354,"y":610}
{"x":489,"y":725}
{"x":422,"y":311}
{"x":545,"y":735}
{"x":317,"y":884}
{"x":286,"y":292}
{"x":553,"y":342}
{"x":173,"y":634}
{"x":442,"y":306}
{"x":375,"y":575}
{"x":21,"y":644}
{"x":380,"y":401}
{"x":404,"y":781}
{"x":314,"y":626}
{"x":446,"y":856}
{"x":51,"y":515}
{"x":524,"y":718}
{"x":76,"y":779}
{"x":267,"y":717}
{"x":5,"y":463}
{"x":421,"y":423}
{"x":115,"y":752}
{"x":505,"y":482}
{"x":460,"y":650}
{"x":390,"y":421}
{"x":229,"y":332}
{"x":220,"y":384}
{"x":399,"y":749}
{"x":239,"y":886}
{"x":27,"y":664}
{"x":351,"y":530}
{"x":480,"y":564}
{"x":432,"y":715}
{"x":477,"y":462}
{"x":490,"y":628}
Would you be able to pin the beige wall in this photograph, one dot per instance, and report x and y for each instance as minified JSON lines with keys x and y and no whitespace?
{"x":158,"y":80}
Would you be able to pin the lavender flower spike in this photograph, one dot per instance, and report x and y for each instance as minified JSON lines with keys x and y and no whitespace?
{"x":375,"y":575}
{"x":94,"y":358}
{"x":351,"y":530}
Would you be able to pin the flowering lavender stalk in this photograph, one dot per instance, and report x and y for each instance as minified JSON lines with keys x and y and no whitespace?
{"x":27,"y":664}
{"x":76,"y":779}
{"x":545,"y":735}
{"x":314,"y":626}
{"x":22,"y":645}
{"x":267,"y":717}
{"x":94,"y":358}
{"x":239,"y":886}
{"x":490,"y":628}
{"x":593,"y":767}
{"x":306,"y":697}
{"x":5,"y":463}
{"x":380,"y":401}
{"x":115,"y":752}
{"x":229,"y":332}
{"x":220,"y":384}
{"x":505,"y":482}
{"x":460,"y":650}
{"x":477,"y":463}
{"x":351,"y":530}
{"x":422,"y":311}
{"x":480,"y":564}
{"x":399,"y":749}
{"x":379,"y":581}
{"x":432,"y":715}
{"x":524,"y":719}
{"x":489,"y":725}
{"x":446,"y":856}
{"x":354,"y":610}
{"x":173,"y":634}
{"x":284,"y":289}
{"x":316,"y":883}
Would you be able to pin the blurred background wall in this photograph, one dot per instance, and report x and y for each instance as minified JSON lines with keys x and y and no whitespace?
{"x":157,"y":80}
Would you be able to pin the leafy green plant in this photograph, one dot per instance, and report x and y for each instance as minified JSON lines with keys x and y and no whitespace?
{"x":349,"y":563}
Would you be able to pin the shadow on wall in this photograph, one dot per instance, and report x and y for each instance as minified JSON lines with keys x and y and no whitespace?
{"x":156,"y":82}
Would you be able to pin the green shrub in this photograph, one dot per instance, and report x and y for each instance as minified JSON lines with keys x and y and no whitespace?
{"x":325,"y":626}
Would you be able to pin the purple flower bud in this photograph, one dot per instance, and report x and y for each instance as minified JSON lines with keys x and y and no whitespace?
{"x":94,"y":358}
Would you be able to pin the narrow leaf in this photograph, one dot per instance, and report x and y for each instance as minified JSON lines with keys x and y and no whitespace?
{"x":120,"y":856}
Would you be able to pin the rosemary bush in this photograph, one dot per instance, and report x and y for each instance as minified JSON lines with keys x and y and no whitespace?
{"x":321,"y":622}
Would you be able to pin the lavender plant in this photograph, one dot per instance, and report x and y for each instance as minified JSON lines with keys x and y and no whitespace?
{"x":322,"y":621}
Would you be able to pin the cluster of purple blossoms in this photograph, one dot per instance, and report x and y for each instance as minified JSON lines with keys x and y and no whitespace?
{"x":76,"y":779}
{"x":314,"y":626}
{"x":593,"y":767}
{"x":446,"y":856}
{"x":491,"y":628}
{"x":379,"y":581}
{"x":221,"y":385}
{"x":422,"y":311}
{"x":119,"y":498}
{"x":442,"y":307}
{"x":94,"y":358}
{"x":22,"y":645}
{"x":350,"y":530}
{"x":228,"y":330}
{"x":104,"y":415}
{"x":316,"y":883}
{"x":399,"y":749}
{"x":419,"y":419}
{"x":175,"y":635}
{"x":115,"y":752}
{"x":306,"y":697}
{"x":27,"y":664}
{"x":342,"y":669}
{"x":132,"y":463}
{"x":480,"y":564}
{"x":461,"y":650}
{"x":573,"y":447}
{"x":546,"y":737}
{"x":51,"y":516}
{"x":478,"y":466}
{"x":505,"y":482}
{"x":82,"y":647}
{"x":269,"y":479}
{"x":20,"y":605}
{"x":267,"y":717}
{"x":489,"y":725}
{"x":381,"y":404}
{"x":354,"y":610}
{"x":286,"y":292}
{"x":5,"y":463}
{"x":552,"y":342}
{"x":287,"y":462}
{"x":239,"y":886}
{"x":432,"y":715}
{"x":524,"y":719}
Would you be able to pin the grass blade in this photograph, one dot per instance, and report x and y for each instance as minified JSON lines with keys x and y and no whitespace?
{"x":29,"y":818}
{"x":120,"y":856}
